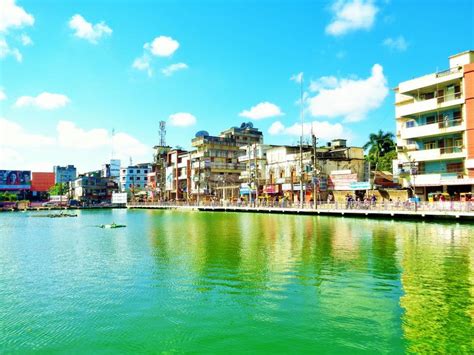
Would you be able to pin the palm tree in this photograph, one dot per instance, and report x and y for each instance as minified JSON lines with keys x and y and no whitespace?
{"x":379,"y":144}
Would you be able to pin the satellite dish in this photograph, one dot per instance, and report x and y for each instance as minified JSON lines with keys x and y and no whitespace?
{"x":249,"y":125}
{"x":202,"y":134}
{"x":242,"y":125}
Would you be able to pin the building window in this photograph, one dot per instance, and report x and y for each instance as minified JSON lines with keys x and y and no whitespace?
{"x":130,"y":171}
{"x":410,"y":124}
{"x":430,"y":145}
{"x":138,"y":177}
{"x":138,"y":171}
{"x":145,"y":171}
{"x":430,"y":120}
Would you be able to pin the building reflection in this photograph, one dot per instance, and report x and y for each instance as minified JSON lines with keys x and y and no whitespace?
{"x":413,"y":281}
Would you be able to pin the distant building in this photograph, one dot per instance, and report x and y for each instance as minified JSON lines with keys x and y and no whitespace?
{"x":215,"y":162}
{"x":435,"y":129}
{"x":112,"y":170}
{"x":91,"y":188}
{"x":178,"y":175}
{"x":64,"y":173}
{"x":134,"y":177}
{"x":41,"y":182}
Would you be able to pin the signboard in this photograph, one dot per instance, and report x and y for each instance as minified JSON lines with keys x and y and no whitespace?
{"x":119,"y":197}
{"x":270,"y":189}
{"x":15,"y":180}
{"x":296,"y":187}
{"x":362,"y":185}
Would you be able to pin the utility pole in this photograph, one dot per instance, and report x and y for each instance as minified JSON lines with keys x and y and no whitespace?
{"x":301,"y":142}
{"x":315,"y":172}
{"x":256,"y":172}
{"x":199,"y":179}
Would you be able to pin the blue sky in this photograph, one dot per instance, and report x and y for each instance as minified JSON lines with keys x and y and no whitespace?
{"x":231,"y":56}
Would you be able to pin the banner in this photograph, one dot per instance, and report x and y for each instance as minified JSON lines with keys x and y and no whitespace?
{"x":15,"y":180}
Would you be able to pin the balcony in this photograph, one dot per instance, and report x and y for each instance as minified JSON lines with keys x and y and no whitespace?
{"x":434,"y":129}
{"x":431,"y":80}
{"x":433,"y":104}
{"x":437,"y":154}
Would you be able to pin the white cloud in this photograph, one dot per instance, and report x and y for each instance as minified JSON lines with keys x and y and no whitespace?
{"x":297,"y":78}
{"x":45,"y":101}
{"x":182,"y":119}
{"x":324,"y":82}
{"x":5,"y":50}
{"x":3,"y":96}
{"x":261,"y":111}
{"x":162,"y":46}
{"x":87,"y":149}
{"x":396,"y":44}
{"x":13,"y":135}
{"x":26,"y":40}
{"x":13,"y":16}
{"x":351,"y":99}
{"x":169,"y":70}
{"x":88,"y":31}
{"x":323,"y":130}
{"x":351,"y":15}
{"x":143,"y":63}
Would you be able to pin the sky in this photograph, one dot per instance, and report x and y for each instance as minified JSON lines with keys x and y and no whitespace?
{"x":83,"y":81}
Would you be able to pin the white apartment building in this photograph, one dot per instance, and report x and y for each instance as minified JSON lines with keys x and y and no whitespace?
{"x":134,"y":177}
{"x":435,"y":129}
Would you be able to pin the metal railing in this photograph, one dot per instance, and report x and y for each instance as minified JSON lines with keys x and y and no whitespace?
{"x":384,"y":206}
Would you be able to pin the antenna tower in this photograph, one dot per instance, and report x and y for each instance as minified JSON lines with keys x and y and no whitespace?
{"x":162,"y":133}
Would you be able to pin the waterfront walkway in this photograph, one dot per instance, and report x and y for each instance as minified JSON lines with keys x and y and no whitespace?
{"x":459,"y":211}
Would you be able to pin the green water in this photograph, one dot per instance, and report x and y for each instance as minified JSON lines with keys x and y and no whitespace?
{"x":234,"y":283}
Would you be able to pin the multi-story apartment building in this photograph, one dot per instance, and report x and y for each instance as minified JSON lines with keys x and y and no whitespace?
{"x":134,"y":177}
{"x":178,"y":175}
{"x":92,"y":188}
{"x":112,"y":170}
{"x":285,"y":164}
{"x":435,"y":129}
{"x":215,"y":164}
{"x":64,"y":173}
{"x":253,"y":177}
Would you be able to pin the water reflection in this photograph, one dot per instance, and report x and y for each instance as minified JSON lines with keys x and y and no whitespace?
{"x":412,"y":283}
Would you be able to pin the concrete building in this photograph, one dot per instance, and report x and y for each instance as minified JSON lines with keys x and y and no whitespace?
{"x":335,"y":167}
{"x":252,"y":179}
{"x":91,"y":188}
{"x":435,"y":129}
{"x":134,"y":177}
{"x":112,"y":170}
{"x":64,"y":173}
{"x":178,"y":175}
{"x":41,"y":182}
{"x":215,"y":164}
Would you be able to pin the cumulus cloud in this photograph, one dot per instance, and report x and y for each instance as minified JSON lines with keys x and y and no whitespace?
{"x":3,"y":96}
{"x":396,"y":44}
{"x":44,"y":101}
{"x":182,"y":119}
{"x":351,"y":15}
{"x":323,"y":130}
{"x":88,"y":148}
{"x":13,"y":135}
{"x":162,"y":46}
{"x":6,"y":50}
{"x":88,"y":31}
{"x":297,"y":78}
{"x":351,"y":99}
{"x":261,"y":111}
{"x":13,"y":16}
{"x":143,"y":63}
{"x":169,"y":70}
{"x":26,"y":40}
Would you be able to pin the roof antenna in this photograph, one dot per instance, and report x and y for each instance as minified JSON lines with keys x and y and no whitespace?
{"x":113,"y":141}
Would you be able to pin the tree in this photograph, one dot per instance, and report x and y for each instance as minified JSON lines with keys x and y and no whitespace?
{"x":379,"y":145}
{"x":59,"y":189}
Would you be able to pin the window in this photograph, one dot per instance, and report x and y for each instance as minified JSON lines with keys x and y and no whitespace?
{"x":138,"y":177}
{"x":430,"y":145}
{"x":145,"y":171}
{"x":130,"y":171}
{"x":454,"y":167}
{"x":138,"y":171}
{"x":430,"y":119}
{"x":410,"y":124}
{"x":411,"y":141}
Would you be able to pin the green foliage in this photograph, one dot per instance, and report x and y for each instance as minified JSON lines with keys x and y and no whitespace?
{"x":381,"y":149}
{"x":8,"y":197}
{"x":59,"y":189}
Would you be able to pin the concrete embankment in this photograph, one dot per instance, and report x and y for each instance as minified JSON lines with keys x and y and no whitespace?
{"x":433,"y":215}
